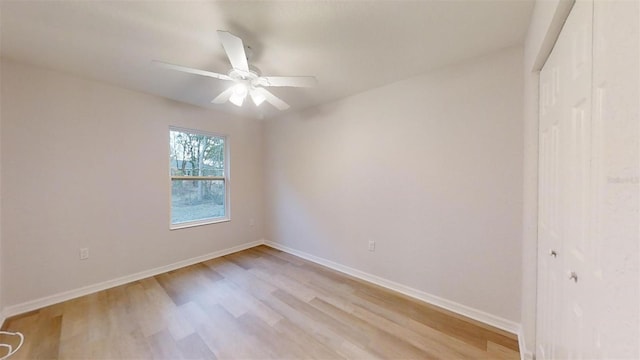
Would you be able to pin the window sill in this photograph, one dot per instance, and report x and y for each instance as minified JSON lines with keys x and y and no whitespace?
{"x":189,"y":224}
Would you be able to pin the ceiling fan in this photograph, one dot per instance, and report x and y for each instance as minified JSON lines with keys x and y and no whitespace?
{"x":247,"y":79}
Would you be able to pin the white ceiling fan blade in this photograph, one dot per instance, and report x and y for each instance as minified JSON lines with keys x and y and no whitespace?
{"x":223,"y":97}
{"x":272,"y":99}
{"x":293,"y":81}
{"x":191,"y":70}
{"x":234,"y":48}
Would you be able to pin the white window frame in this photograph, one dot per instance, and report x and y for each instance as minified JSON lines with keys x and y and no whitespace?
{"x":226,"y":178}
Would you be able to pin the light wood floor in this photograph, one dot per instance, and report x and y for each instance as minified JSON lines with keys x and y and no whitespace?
{"x":255,"y":304}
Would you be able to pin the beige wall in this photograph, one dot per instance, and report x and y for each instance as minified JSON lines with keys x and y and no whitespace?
{"x":86,"y":165}
{"x":429,"y":167}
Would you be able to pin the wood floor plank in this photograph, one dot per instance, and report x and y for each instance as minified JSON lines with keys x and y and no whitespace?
{"x":321,"y":332}
{"x":192,"y":347}
{"x":286,"y":284}
{"x":314,"y":348}
{"x":130,"y":345}
{"x":49,"y":332}
{"x":425,"y":338}
{"x":224,"y":337}
{"x":147,"y":317}
{"x":163,"y":346}
{"x":497,"y":351}
{"x":334,"y":330}
{"x":76,"y":347}
{"x":379,"y":340}
{"x":434,"y":319}
{"x":274,"y":341}
{"x":260,"y":303}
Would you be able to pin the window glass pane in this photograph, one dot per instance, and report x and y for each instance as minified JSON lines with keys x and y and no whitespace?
{"x":193,"y":200}
{"x":196,"y":154}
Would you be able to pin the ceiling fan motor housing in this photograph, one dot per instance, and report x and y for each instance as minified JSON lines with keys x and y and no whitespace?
{"x":252,"y":74}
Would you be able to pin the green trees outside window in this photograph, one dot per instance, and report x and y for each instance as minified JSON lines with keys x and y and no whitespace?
{"x":198,"y":173}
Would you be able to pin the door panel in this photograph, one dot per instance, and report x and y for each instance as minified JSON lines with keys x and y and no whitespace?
{"x":550,"y":203}
{"x":565,"y":136}
{"x":576,"y":113}
{"x":589,"y":187}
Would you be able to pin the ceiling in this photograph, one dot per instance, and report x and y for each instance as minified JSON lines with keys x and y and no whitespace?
{"x":349,"y":46}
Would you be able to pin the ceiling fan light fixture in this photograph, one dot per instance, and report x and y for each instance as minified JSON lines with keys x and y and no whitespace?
{"x":236,"y":100}
{"x":257,"y":97}
{"x":239,"y":94}
{"x":245,"y":79}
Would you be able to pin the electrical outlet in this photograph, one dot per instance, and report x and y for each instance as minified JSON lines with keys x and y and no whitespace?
{"x":84,"y":253}
{"x":252,"y":222}
{"x":372,"y":245}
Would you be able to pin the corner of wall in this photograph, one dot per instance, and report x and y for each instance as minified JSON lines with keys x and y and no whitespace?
{"x":467,"y":311}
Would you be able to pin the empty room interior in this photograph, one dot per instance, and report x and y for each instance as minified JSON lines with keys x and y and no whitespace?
{"x":327,"y":180}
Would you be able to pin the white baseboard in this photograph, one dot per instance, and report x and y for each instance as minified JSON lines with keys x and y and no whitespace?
{"x":475,"y":314}
{"x":467,"y":311}
{"x":86,"y":290}
{"x":524,"y":353}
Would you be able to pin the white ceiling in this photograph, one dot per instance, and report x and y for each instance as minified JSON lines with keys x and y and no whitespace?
{"x":349,"y":46}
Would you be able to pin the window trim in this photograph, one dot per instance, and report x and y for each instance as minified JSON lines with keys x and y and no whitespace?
{"x":226,"y":178}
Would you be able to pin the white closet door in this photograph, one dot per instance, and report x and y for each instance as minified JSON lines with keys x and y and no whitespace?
{"x":589,"y":291}
{"x":564,"y":194}
{"x":550,"y":222}
{"x":577,"y":252}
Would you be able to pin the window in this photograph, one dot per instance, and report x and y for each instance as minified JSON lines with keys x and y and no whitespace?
{"x":199,"y":178}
